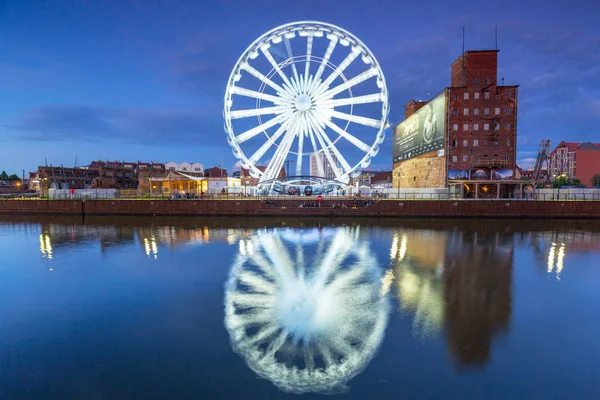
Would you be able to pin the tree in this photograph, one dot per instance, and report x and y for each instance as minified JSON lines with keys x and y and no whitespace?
{"x":3,"y":176}
{"x":14,"y":177}
{"x":596,"y":180}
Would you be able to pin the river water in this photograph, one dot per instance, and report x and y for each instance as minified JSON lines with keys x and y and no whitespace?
{"x":190,"y":308}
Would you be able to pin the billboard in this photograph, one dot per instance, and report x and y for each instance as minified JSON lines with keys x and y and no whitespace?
{"x":422,"y":132}
{"x":503,"y":175}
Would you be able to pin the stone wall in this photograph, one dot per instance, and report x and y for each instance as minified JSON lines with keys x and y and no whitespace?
{"x":425,"y":171}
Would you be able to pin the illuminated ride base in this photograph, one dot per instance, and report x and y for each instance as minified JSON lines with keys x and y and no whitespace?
{"x":305,"y":185}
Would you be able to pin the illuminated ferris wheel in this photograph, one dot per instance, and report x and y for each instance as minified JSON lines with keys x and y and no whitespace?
{"x":306,"y":88}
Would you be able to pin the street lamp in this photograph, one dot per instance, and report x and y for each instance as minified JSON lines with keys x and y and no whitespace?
{"x":246,"y":181}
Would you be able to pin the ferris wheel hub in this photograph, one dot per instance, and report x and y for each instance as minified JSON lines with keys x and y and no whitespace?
{"x":303,"y":102}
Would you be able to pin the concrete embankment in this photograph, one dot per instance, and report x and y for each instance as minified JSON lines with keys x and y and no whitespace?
{"x":280,"y":207}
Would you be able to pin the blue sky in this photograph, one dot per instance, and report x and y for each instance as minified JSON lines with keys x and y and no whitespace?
{"x":145,"y":79}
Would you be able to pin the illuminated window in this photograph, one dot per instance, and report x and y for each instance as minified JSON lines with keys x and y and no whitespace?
{"x":465,"y":127}
{"x":466,"y":111}
{"x":455,"y":127}
{"x":497,"y":110}
{"x":466,"y":96}
{"x":486,"y":111}
{"x":475,"y":127}
{"x":454,"y":159}
{"x":486,"y":127}
{"x":465,"y":143}
{"x":475,"y":142}
{"x":476,"y":95}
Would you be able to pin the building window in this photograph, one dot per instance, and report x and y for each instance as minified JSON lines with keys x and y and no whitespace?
{"x":486,"y":127}
{"x":465,"y":158}
{"x":475,"y":142}
{"x":475,"y":127}
{"x":455,"y":96}
{"x":476,"y":95}
{"x":454,"y":158}
{"x":466,"y":111}
{"x":455,"y":127}
{"x":506,"y":158}
{"x":476,"y":160}
{"x":197,"y":169}
{"x":497,"y":96}
{"x":486,"y":95}
{"x":465,"y":127}
{"x":507,"y":127}
{"x":487,"y":81}
{"x":454,"y":143}
{"x":508,"y":142}
{"x":486,"y":111}
{"x":497,"y":110}
{"x":476,"y":111}
{"x":454,"y":113}
{"x":496,"y":127}
{"x":184,"y":168}
{"x":486,"y":142}
{"x":507,"y":111}
{"x":508,"y":94}
{"x":466,"y":96}
{"x":496,"y":143}
{"x":476,"y":81}
{"x":172,"y":168}
{"x":465,"y":143}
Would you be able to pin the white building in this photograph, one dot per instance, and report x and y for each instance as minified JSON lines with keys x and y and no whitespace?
{"x":185,"y":167}
{"x":328,"y":169}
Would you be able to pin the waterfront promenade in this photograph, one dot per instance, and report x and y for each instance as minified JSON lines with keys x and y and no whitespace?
{"x":458,"y":208}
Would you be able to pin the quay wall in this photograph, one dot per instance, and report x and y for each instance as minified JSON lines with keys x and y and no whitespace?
{"x":244,"y":207}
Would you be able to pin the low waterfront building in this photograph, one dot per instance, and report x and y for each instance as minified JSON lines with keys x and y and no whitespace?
{"x":576,"y":160}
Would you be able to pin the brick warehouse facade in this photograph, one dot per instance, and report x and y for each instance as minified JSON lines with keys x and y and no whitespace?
{"x":481,"y":125}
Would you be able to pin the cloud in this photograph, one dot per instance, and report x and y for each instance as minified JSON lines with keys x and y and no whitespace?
{"x":526,"y":163}
{"x":142,"y":126}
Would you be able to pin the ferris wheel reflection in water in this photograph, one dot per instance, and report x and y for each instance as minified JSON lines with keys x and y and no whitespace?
{"x":305,"y":308}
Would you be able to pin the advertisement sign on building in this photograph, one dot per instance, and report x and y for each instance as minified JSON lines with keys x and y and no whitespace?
{"x":458,"y":175}
{"x":503,"y":174}
{"x":422,"y":132}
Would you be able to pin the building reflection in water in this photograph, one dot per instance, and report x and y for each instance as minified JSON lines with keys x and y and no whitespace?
{"x":306,"y":309}
{"x":455,"y":282}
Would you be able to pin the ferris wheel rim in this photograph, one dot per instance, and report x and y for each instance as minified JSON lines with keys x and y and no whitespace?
{"x":367,"y":151}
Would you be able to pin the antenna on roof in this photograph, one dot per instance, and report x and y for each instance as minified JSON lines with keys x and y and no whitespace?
{"x":496,"y":37}
{"x":463,"y":47}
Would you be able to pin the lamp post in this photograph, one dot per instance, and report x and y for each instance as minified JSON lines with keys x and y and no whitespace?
{"x":246,"y":181}
{"x":287,"y":164}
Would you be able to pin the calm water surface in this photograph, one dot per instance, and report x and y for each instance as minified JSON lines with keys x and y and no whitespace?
{"x":192,"y":308}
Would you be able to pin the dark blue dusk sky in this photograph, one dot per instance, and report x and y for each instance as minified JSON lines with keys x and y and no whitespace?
{"x":145,"y":79}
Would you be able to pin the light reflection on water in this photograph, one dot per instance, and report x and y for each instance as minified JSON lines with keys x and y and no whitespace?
{"x":312,"y":306}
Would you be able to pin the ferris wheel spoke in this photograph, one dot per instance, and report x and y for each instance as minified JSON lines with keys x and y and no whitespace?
{"x":333,"y":41}
{"x":300,"y":149}
{"x":326,"y":150}
{"x":280,"y":91}
{"x":338,"y":71}
{"x":369,"y":98}
{"x":371,"y":72}
{"x":330,"y":145}
{"x":276,"y":163}
{"x":309,"y":43}
{"x":290,"y":55}
{"x":355,"y":141}
{"x":268,"y":144}
{"x":311,"y":135}
{"x":249,"y":134}
{"x":373,"y":123}
{"x":267,"y":54}
{"x":256,"y":112}
{"x":258,"y":95}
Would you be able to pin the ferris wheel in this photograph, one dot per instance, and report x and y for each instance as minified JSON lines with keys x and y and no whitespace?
{"x":301,"y":89}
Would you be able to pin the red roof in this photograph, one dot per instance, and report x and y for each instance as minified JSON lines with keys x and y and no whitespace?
{"x":574,"y":146}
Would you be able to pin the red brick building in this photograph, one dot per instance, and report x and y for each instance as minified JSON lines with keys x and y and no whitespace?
{"x":480,"y":127}
{"x":576,"y":160}
{"x":215,"y":172}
